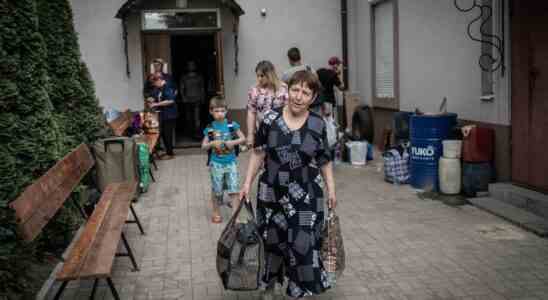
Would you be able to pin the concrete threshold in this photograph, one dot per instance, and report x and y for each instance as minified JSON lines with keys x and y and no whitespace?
{"x":513,"y":214}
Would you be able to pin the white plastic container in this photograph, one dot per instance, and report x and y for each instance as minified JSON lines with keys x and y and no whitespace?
{"x":452,"y":148}
{"x":450,"y":175}
{"x":358,"y":152}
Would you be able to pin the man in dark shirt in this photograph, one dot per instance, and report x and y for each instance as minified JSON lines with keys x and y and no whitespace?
{"x":162,"y":99}
{"x":330,"y":78}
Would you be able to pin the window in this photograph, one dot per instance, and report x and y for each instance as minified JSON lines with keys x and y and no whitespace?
{"x":189,"y":19}
{"x":385,"y":63}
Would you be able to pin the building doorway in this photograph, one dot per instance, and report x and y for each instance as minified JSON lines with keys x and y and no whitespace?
{"x":529,"y":93}
{"x":178,"y":49}
{"x":195,"y":51}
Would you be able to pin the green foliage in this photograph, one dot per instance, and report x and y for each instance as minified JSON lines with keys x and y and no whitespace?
{"x":72,"y":92}
{"x":47,"y":107}
{"x":29,"y":135}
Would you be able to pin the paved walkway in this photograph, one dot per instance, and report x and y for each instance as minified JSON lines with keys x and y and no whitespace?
{"x":398,"y":246}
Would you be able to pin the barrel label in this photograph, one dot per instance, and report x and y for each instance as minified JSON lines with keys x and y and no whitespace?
{"x":423,"y":153}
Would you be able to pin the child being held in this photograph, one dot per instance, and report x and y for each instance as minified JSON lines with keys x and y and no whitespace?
{"x":221,"y":139}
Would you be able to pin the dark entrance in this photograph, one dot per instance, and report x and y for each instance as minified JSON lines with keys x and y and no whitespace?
{"x":530,"y":93}
{"x":200,"y":49}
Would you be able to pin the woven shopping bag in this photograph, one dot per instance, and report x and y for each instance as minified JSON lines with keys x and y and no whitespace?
{"x":332,"y":248}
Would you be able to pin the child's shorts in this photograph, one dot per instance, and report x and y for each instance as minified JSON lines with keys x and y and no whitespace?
{"x":224,"y":177}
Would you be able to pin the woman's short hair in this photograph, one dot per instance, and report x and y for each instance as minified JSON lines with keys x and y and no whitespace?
{"x":307,"y":77}
{"x":269,"y":71}
{"x":217,"y":102}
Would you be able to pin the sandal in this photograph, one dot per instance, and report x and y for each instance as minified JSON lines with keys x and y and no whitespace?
{"x":217,"y":219}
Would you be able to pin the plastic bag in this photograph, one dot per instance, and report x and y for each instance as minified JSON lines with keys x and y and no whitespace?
{"x":331,"y":128}
{"x":144,"y":166}
{"x":240,"y":251}
{"x":332,"y":248}
{"x":396,"y":166}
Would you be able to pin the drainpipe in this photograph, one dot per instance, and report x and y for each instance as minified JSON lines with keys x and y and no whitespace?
{"x":344,"y":25}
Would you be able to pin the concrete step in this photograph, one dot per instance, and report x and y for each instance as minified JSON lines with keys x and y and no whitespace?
{"x":513,"y":214}
{"x":529,"y":200}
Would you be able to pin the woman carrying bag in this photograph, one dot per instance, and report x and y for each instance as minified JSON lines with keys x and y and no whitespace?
{"x":292,"y":143}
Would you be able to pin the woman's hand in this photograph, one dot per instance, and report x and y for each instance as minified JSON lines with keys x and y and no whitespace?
{"x":331,"y":200}
{"x":244,"y":192}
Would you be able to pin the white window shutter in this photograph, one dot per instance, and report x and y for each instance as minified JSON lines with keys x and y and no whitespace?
{"x":384,"y":49}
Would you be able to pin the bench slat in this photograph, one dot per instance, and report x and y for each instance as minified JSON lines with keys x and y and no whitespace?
{"x":77,"y":256}
{"x":42,"y":199}
{"x":99,"y":262}
{"x":94,"y":252}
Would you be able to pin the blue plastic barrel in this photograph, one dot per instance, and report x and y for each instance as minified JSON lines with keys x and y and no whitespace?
{"x":427,"y":133}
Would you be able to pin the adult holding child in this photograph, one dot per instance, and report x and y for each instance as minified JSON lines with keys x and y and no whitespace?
{"x":269,"y":93}
{"x":162,"y":99}
{"x":292,"y":141}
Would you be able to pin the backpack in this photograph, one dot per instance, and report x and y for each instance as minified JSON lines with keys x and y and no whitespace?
{"x":232,"y":131}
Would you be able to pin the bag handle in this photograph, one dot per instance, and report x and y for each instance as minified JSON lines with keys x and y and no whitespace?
{"x":243,"y":204}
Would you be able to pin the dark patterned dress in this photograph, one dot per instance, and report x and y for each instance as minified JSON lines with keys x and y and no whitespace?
{"x":290,"y":202}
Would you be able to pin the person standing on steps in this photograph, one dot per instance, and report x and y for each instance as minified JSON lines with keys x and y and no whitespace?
{"x":162,"y":99}
{"x":192,"y":89}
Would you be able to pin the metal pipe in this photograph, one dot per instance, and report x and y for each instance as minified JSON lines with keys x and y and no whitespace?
{"x":344,"y":23}
{"x":344,"y":27}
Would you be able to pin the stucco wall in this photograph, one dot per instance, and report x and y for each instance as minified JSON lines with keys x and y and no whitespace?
{"x":312,"y":25}
{"x":100,"y":36}
{"x":437,"y":59}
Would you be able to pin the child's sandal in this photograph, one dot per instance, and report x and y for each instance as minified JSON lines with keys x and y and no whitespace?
{"x":217,"y":219}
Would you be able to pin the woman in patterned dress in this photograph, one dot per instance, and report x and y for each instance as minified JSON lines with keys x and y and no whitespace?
{"x":269,"y":93}
{"x":292,"y":141}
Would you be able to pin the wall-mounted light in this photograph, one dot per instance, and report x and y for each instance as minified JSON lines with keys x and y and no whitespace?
{"x":263,"y":12}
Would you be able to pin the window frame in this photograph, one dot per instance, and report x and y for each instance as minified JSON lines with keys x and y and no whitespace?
{"x":392,"y":102}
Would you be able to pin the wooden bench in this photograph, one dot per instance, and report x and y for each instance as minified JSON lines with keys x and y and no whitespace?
{"x":92,"y":251}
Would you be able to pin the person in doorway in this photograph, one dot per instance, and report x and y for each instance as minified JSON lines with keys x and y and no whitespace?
{"x":330,"y":78}
{"x":295,"y":61}
{"x":220,"y":138}
{"x":269,"y":93}
{"x":191,"y":87}
{"x":292,"y":143}
{"x":158,"y":66}
{"x":162,"y":99}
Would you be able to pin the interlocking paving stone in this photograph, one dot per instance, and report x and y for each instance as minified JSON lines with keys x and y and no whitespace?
{"x":398,"y":246}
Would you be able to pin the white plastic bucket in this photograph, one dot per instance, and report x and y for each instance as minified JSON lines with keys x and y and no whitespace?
{"x":358,"y":152}
{"x":452,"y":148}
{"x":450,"y":175}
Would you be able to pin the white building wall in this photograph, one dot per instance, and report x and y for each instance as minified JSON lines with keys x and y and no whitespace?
{"x":314,"y":26}
{"x":437,"y":59}
{"x":102,"y":47}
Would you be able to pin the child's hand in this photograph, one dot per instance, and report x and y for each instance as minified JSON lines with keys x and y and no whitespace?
{"x":250,"y":141}
{"x":216,"y":144}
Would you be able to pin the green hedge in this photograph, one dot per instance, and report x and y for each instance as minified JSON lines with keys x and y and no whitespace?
{"x":47,"y":107}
